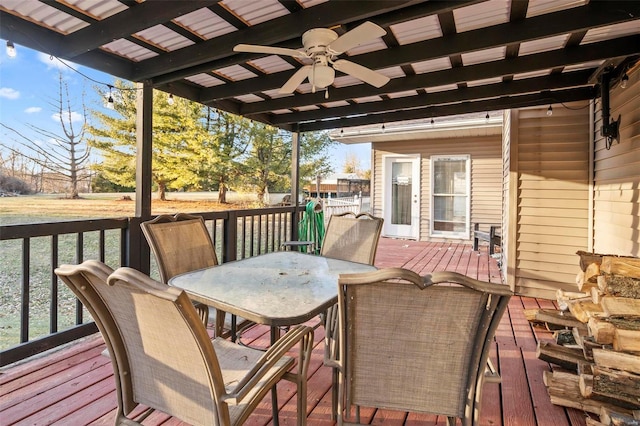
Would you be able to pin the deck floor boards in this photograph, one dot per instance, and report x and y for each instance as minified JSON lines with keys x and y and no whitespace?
{"x":74,"y":385}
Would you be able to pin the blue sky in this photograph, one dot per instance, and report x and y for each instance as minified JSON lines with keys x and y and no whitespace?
{"x":29,"y":93}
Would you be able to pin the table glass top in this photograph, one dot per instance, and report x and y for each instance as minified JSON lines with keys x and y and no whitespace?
{"x":274,"y":288}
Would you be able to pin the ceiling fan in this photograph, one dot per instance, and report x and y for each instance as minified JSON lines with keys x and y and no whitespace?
{"x":323,"y":46}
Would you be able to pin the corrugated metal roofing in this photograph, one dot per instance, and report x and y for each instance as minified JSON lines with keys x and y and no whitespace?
{"x":165,"y":38}
{"x":254,"y":12}
{"x":129,"y":49}
{"x":205,"y":24}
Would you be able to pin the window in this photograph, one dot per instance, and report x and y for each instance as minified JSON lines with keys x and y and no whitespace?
{"x":450,"y":184}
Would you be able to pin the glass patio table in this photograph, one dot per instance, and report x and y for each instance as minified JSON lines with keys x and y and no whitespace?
{"x":276,"y":289}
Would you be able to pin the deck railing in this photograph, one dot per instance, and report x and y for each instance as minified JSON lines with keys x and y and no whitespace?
{"x":33,"y":251}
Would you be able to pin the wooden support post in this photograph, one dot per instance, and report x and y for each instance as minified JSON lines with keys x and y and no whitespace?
{"x":295,"y":182}
{"x":139,"y":256}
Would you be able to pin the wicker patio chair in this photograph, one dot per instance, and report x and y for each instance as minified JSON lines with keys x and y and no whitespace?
{"x":181,"y":243}
{"x":349,"y":237}
{"x":171,"y":365}
{"x":429,"y":350}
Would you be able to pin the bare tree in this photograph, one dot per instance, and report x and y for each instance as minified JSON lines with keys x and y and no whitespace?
{"x":65,"y":155}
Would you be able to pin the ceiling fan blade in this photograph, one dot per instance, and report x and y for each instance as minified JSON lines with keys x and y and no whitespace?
{"x":296,"y":80}
{"x":360,"y":34}
{"x":363,"y":73}
{"x":252,"y":48}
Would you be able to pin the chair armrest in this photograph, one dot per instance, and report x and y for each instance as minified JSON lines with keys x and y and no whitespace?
{"x":301,"y":334}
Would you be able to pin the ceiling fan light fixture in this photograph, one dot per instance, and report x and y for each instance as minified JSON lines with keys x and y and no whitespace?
{"x":322,"y":76}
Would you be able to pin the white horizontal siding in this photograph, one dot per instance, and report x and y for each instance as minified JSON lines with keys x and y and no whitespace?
{"x":617,"y":175}
{"x":552,"y":205}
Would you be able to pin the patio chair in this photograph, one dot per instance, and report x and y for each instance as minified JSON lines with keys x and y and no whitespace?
{"x":170,"y":364}
{"x":352,"y":237}
{"x":181,"y":243}
{"x":82,"y":280}
{"x":416,"y":344}
{"x":349,"y":237}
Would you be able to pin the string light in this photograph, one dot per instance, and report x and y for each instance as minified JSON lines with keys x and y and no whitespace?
{"x":341,"y":132}
{"x":487,"y":117}
{"x":11,"y":52}
{"x":549,"y":111}
{"x":432,"y":121}
{"x":110,"y":103}
{"x":383,"y":127}
{"x":170,"y":100}
{"x":11,"y":49}
{"x":624,"y":81}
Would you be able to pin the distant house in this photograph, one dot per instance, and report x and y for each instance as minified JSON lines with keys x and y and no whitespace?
{"x":338,"y":185}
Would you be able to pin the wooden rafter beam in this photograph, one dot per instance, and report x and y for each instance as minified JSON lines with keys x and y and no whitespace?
{"x":507,"y":102}
{"x":531,"y":85}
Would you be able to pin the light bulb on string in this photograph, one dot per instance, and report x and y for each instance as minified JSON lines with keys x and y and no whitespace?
{"x":624,"y":81}
{"x":11,"y":49}
{"x":549,"y":111}
{"x":170,"y":99}
{"x":433,"y":121}
{"x":486,"y":117}
{"x":110,"y":103}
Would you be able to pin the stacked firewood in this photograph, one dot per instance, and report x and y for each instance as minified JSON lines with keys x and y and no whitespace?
{"x":596,"y":355}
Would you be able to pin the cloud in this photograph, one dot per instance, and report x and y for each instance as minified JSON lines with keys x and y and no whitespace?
{"x":75,"y":116}
{"x":9,"y":93}
{"x":32,"y":110}
{"x":54,"y":63}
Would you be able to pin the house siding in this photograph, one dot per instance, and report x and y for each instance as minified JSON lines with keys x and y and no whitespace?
{"x":616,"y":196}
{"x":549,"y":160}
{"x":486,"y":175}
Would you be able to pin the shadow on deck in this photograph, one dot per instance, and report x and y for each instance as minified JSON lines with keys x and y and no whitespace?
{"x":74,"y":385}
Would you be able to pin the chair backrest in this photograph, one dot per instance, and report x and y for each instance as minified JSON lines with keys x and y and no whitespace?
{"x":174,"y":367}
{"x":352,"y":237}
{"x":83,"y":279}
{"x":414,"y":346}
{"x":180,"y":243}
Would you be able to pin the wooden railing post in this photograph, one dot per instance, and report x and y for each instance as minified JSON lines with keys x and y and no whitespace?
{"x":138,"y":252}
{"x":230,"y":237}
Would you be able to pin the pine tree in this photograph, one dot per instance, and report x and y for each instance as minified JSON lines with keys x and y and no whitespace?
{"x":177,"y":129}
{"x":217,"y":155}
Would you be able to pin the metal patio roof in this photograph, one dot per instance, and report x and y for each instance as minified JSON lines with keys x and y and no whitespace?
{"x":443,"y":57}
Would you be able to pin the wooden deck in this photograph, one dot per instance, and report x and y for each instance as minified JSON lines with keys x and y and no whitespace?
{"x":75,"y":386}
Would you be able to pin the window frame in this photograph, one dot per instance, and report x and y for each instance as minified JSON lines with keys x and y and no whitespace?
{"x":432,"y":196}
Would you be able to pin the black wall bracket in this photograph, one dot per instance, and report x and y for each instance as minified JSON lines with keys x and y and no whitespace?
{"x":610,"y":129}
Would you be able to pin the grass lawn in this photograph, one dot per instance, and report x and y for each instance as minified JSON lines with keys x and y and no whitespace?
{"x":52,"y":208}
